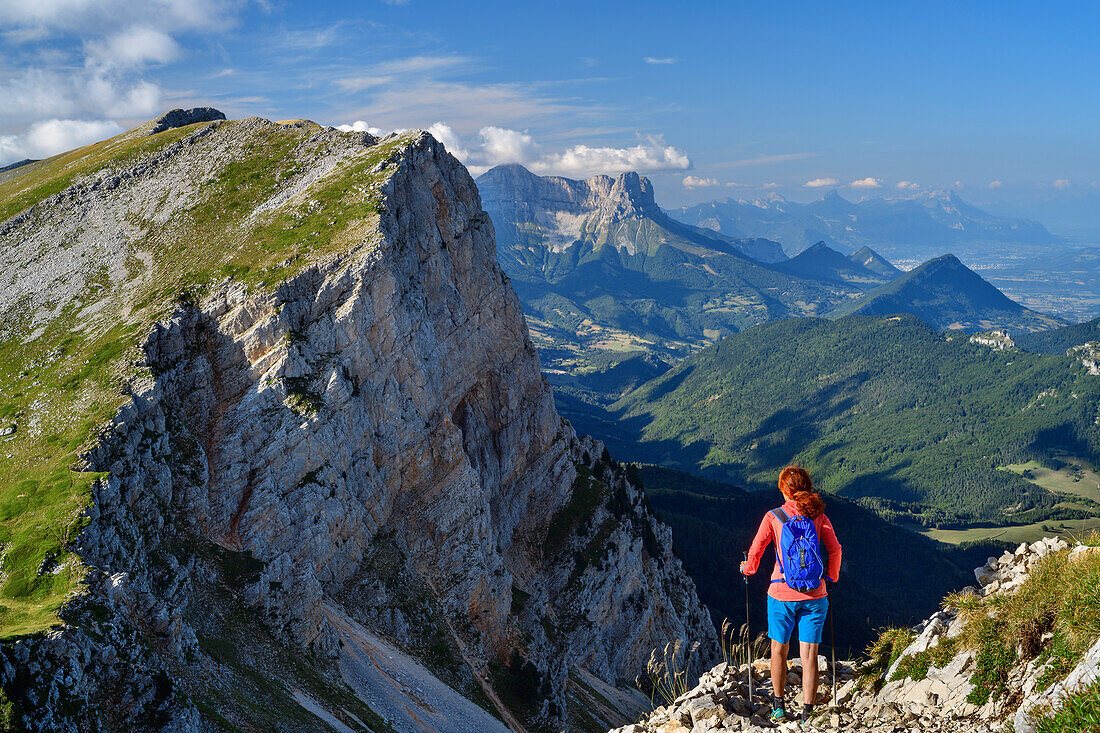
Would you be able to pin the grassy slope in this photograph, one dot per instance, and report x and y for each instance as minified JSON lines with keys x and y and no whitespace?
{"x":874,"y":407}
{"x":60,"y":387}
{"x":1053,"y":618}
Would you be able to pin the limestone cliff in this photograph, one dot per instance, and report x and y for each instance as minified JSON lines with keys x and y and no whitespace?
{"x":334,"y":429}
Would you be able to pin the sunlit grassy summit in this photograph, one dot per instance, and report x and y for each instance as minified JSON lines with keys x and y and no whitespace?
{"x":251,"y":201}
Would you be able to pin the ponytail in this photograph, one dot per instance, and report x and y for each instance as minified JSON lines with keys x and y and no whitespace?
{"x":796,"y":485}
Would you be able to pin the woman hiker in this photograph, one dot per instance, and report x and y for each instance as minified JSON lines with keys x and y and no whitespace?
{"x":797,"y":595}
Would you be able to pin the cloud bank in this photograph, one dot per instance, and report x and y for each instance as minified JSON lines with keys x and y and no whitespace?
{"x":50,"y":137}
{"x":821,"y":182}
{"x":696,"y":182}
{"x":499,"y":145}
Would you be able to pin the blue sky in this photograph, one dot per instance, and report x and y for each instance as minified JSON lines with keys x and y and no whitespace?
{"x":714,"y":99}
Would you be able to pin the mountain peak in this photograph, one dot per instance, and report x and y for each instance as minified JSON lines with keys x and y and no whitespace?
{"x":946,"y":294}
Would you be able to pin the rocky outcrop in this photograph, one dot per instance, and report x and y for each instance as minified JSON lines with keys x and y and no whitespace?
{"x":1089,"y":356}
{"x":997,"y":339}
{"x":181,"y":117}
{"x":367,"y":444}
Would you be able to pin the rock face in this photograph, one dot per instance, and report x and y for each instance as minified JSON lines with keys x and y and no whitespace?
{"x":1089,"y":355}
{"x":369,"y":442}
{"x":564,"y":211}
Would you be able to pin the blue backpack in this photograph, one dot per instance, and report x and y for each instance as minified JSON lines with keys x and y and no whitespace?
{"x":799,"y":553}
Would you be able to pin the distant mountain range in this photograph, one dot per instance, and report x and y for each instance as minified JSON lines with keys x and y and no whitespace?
{"x":948,"y":295}
{"x":600,"y":267}
{"x":913,"y":228}
{"x":823,"y":262}
{"x":598,"y":264}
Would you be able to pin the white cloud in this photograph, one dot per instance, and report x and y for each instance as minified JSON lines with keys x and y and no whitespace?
{"x":498,"y":145}
{"x":821,"y":182}
{"x":409,"y":101}
{"x":867,"y":182}
{"x":907,"y":185}
{"x":397,"y":71}
{"x":105,"y":75}
{"x":659,"y":61}
{"x":771,"y":184}
{"x":1062,"y":183}
{"x":37,"y":19}
{"x":136,"y":46}
{"x":444,"y":134}
{"x":995,"y":184}
{"x":361,"y":126}
{"x":50,"y":137}
{"x":652,"y":156}
{"x":38,"y":93}
{"x":697,"y":182}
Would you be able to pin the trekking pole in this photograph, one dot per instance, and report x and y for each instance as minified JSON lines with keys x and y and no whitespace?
{"x":748,"y":638}
{"x":832,"y":643}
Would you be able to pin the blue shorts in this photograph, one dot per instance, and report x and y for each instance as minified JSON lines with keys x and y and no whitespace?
{"x":809,"y":616}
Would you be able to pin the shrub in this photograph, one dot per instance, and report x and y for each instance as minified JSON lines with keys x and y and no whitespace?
{"x":916,"y":666}
{"x":996,"y":655}
{"x":882,"y":653}
{"x":1079,"y":712}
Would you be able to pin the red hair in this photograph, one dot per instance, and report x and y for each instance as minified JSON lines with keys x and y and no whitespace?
{"x":796,"y":485}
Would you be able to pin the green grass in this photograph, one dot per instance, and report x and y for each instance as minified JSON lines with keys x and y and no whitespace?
{"x":42,"y":179}
{"x":916,"y":666}
{"x":1067,"y":528}
{"x":64,"y":384}
{"x":881,"y":654}
{"x":1068,"y":475}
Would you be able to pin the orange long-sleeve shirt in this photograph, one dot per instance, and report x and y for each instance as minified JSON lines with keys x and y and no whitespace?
{"x":769,"y":532}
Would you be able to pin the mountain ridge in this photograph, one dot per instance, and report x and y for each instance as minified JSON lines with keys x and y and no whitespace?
{"x":823,"y":262}
{"x":599,"y":266}
{"x":906,"y":228}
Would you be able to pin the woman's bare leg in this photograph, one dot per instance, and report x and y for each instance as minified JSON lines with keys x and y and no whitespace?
{"x":809,"y":671}
{"x":779,"y":668}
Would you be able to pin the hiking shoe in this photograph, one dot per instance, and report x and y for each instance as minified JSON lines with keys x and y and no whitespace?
{"x":779,"y":715}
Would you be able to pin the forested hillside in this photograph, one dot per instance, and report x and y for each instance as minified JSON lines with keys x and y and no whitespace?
{"x":916,"y":421}
{"x":1059,"y":340}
